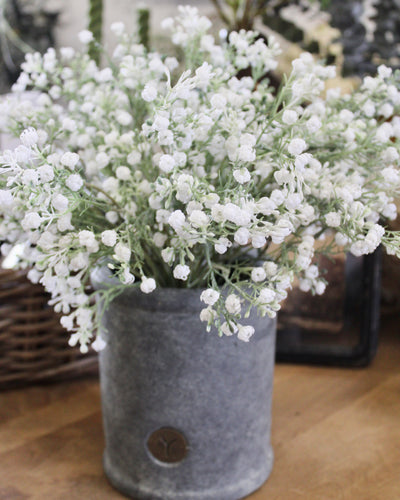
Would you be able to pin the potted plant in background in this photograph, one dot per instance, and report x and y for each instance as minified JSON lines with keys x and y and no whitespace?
{"x":194,"y":200}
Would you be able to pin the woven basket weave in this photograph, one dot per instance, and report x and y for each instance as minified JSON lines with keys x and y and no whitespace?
{"x":33,"y":345}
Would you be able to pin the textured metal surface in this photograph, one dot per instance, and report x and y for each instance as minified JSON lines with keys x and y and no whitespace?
{"x":167,"y":445}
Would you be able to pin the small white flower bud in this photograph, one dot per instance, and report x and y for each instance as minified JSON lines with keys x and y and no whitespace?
{"x":85,"y":36}
{"x":297,"y":146}
{"x":181,"y":272}
{"x":209,"y":296}
{"x":109,"y":237}
{"x":148,"y":285}
{"x":232,"y":304}
{"x":99,"y":344}
{"x":29,"y":137}
{"x":245,"y":333}
{"x":69,"y":159}
{"x":74,"y":182}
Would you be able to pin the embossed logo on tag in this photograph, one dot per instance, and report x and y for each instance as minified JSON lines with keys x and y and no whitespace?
{"x":168,"y":445}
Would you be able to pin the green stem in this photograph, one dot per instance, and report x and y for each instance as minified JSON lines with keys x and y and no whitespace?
{"x":96,"y":188}
{"x":143,"y":18}
{"x":95,"y":26}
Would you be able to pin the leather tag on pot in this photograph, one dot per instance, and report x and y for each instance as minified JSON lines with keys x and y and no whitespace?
{"x":167,"y":445}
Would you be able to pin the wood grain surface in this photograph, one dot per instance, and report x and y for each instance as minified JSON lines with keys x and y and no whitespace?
{"x":336,"y":435}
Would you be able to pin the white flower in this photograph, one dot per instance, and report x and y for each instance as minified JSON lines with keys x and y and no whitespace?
{"x":122,"y":252}
{"x":88,"y":239}
{"x":242,"y":236}
{"x":67,"y":53}
{"x":127,"y":277}
{"x":210,"y":296}
{"x":134,"y":158}
{"x":218,"y":101}
{"x":222,"y":245}
{"x":31,"y":220}
{"x":168,"y":255}
{"x":176,"y":220}
{"x":147,"y":285}
{"x":313,"y":124}
{"x":341,"y":239}
{"x":159,"y":239}
{"x":271,"y":268}
{"x":74,"y":282}
{"x":85,"y":36}
{"x":390,"y":154}
{"x":46,"y":241}
{"x":60,"y":202}
{"x":167,"y":163}
{"x":123,"y":173}
{"x":245,"y":332}
{"x":198,"y":218}
{"x":386,"y":110}
{"x":112,"y":217}
{"x":161,"y":123}
{"x":6,"y":198}
{"x":123,"y":117}
{"x":246,"y":153}
{"x":74,"y":182}
{"x":297,"y":146}
{"x":102,"y":160}
{"x":79,"y":261}
{"x":117,"y":28}
{"x":30,"y":176}
{"x":289,"y":117}
{"x":149,"y":93}
{"x":29,"y":137}
{"x":312,"y":272}
{"x":333,"y":219}
{"x":46,"y":173}
{"x":384,"y":71}
{"x":236,"y":215}
{"x":242,"y":175}
{"x":390,"y":211}
{"x":384,"y":132}
{"x":346,"y":116}
{"x":368,"y":109}
{"x":69,"y":125}
{"x":320,"y":287}
{"x":34,"y":275}
{"x":68,"y":323}
{"x":258,"y":240}
{"x":109,"y":237}
{"x":181,"y":272}
{"x":210,"y":200}
{"x":258,"y":274}
{"x":69,"y":159}
{"x":207,"y":315}
{"x":266,"y":296}
{"x":228,"y":329}
{"x":64,"y":222}
{"x":99,"y":344}
{"x":232,"y":304}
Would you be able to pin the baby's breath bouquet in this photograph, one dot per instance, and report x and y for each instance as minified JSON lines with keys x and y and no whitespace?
{"x":193,"y":177}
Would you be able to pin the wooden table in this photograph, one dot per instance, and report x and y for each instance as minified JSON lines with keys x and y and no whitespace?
{"x":336,"y":435}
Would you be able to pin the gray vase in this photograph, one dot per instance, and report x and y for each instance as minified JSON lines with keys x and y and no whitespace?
{"x":186,"y":413}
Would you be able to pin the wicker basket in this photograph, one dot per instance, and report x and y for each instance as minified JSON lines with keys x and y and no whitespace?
{"x":33,"y":345}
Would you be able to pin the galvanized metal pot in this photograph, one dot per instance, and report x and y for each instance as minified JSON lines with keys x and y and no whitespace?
{"x":186,"y":414}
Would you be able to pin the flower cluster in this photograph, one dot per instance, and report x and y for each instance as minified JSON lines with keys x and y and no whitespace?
{"x":207,"y":179}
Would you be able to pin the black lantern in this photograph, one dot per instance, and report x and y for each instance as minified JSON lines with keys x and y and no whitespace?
{"x":339,"y":327}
